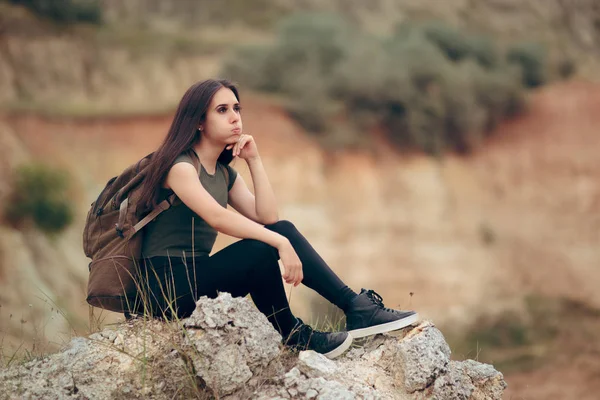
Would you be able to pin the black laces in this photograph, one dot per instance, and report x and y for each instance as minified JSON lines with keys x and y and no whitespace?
{"x":303,"y":330}
{"x":303,"y":334}
{"x":378,"y":300}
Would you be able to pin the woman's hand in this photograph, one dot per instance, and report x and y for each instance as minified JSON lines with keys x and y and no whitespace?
{"x":292,"y":264}
{"x":245,"y":147}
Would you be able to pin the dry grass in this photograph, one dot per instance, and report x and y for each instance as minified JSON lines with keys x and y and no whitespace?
{"x":170,"y":366}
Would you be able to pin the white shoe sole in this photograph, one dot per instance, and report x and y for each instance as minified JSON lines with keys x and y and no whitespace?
{"x":383,"y":328}
{"x":340,"y":349}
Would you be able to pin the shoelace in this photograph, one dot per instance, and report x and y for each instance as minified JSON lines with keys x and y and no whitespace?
{"x":378,"y":300}
{"x":306,"y":335}
{"x":304,"y":331}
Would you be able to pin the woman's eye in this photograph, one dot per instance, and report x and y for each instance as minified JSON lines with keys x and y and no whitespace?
{"x":238,"y":109}
{"x":222,"y":110}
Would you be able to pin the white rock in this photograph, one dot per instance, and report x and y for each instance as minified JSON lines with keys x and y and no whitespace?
{"x":314,"y":364}
{"x":419,"y":358}
{"x":245,"y":340}
{"x":236,"y":351}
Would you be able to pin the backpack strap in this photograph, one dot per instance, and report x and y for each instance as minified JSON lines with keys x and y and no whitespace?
{"x":162,"y":206}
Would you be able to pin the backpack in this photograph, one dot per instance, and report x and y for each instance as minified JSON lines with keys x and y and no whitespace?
{"x":113,"y":241}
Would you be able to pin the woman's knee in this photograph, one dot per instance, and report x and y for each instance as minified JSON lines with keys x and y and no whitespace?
{"x":265,"y":259}
{"x":283,"y":227}
{"x":261,"y":249}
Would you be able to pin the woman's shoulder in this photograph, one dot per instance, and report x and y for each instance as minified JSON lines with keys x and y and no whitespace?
{"x":184,"y":157}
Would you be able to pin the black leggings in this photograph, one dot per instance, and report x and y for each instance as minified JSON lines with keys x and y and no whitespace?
{"x":245,"y":267}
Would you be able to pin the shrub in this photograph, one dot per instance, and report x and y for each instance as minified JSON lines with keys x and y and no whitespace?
{"x":300,"y":65}
{"x":313,"y":42}
{"x":452,"y":42}
{"x":531,"y":58}
{"x":395,"y":88}
{"x":40,"y":194}
{"x":566,"y":68}
{"x":464,"y":115}
{"x":484,"y":51}
{"x":309,"y":104}
{"x":415,"y":117}
{"x":249,"y":65}
{"x":429,"y":86}
{"x":457,"y":45}
{"x":500,"y":92}
{"x":65,"y":11}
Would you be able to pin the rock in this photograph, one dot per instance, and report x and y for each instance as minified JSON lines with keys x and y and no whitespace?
{"x":418,"y":359}
{"x":231,"y":340}
{"x":455,"y":384}
{"x":229,"y":350}
{"x":489,"y":383}
{"x":314,"y":364}
{"x":469,"y":380}
{"x":338,"y":387}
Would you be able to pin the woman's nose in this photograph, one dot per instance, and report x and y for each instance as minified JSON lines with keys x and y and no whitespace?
{"x":234,"y":116}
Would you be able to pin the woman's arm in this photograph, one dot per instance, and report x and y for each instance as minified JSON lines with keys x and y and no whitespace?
{"x":266,"y":205}
{"x":261,"y":207}
{"x":183,"y":180}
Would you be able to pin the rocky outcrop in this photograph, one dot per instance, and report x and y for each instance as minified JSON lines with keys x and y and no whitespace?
{"x":227,"y":349}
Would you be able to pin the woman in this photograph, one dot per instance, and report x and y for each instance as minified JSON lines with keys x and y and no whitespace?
{"x":193,"y":163}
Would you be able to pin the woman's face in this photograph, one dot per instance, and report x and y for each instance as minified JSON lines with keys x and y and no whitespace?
{"x":223,"y":122}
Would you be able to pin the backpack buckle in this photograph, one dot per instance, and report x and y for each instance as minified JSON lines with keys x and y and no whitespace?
{"x":119,"y":231}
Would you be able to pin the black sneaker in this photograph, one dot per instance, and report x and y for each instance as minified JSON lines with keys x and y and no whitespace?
{"x":330,"y":344}
{"x":366,"y":316}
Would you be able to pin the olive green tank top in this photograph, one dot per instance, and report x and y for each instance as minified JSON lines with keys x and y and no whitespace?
{"x":179,"y":230}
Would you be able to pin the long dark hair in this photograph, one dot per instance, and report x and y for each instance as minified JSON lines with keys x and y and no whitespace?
{"x":182,"y":136}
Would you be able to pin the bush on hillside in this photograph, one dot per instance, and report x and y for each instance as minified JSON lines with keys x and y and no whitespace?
{"x":40,"y":195}
{"x":566,"y":68}
{"x":531,"y":58}
{"x":308,"y":49}
{"x":65,"y":11}
{"x":306,"y":42}
{"x":310,"y":104}
{"x":456,"y":45}
{"x":452,"y":42}
{"x":484,"y":51}
{"x":431,"y":87}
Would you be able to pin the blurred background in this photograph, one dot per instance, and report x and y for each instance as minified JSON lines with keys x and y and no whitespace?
{"x":443,"y":153}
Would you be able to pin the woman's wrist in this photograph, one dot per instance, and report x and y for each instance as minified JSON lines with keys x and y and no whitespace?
{"x":281,"y":241}
{"x":253,"y":160}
